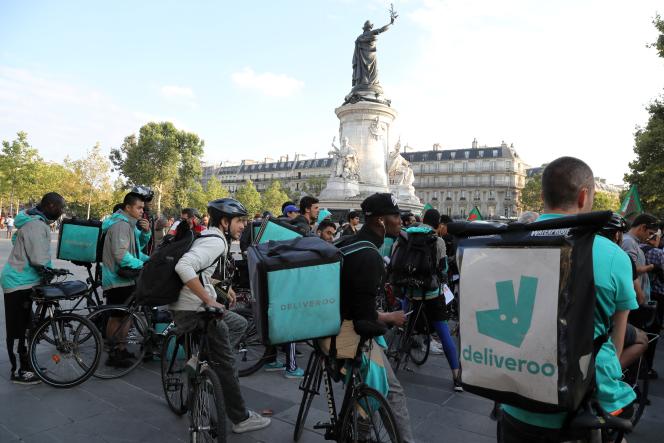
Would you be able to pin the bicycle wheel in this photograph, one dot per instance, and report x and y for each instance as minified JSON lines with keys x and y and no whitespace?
{"x":250,"y":354}
{"x":368,"y":417}
{"x":207,"y":414}
{"x":420,"y":340}
{"x":641,"y":386}
{"x":395,"y":337}
{"x":174,"y":379}
{"x":124,"y":335}
{"x":310,"y":387}
{"x":58,"y":355}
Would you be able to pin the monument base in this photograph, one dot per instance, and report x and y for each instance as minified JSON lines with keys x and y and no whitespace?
{"x":405,"y":194}
{"x":339,"y":189}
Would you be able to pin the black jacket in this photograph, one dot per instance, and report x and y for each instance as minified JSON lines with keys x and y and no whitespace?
{"x":301,"y":223}
{"x":362,"y":278}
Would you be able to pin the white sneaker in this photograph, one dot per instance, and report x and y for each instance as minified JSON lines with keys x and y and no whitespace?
{"x":436,"y":348}
{"x":253,"y":423}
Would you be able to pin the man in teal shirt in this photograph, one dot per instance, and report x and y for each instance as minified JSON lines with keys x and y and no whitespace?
{"x":568,"y":188}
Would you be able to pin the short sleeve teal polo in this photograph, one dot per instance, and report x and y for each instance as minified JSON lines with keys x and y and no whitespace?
{"x":614,"y":292}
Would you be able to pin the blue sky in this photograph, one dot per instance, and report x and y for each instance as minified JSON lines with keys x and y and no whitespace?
{"x":262,"y":79}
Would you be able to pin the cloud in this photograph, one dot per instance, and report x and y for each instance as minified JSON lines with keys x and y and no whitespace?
{"x":557,"y":78}
{"x":62,"y":118}
{"x":273,"y":85}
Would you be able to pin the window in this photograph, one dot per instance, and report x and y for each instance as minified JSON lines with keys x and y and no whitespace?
{"x":465,"y":166}
{"x":492,"y":180}
{"x":449,"y":212}
{"x":495,"y":153}
{"x":463,"y":212}
{"x":508,"y":165}
{"x":477,"y":195}
{"x":466,"y":154}
{"x":492,"y":195}
{"x":463,"y":195}
{"x":449,"y":196}
{"x":450,"y":167}
{"x":449,"y":180}
{"x":481,"y":154}
{"x":453,"y":155}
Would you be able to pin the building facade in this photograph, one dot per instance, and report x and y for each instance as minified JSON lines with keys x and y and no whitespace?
{"x":455,"y":181}
{"x":452,"y":181}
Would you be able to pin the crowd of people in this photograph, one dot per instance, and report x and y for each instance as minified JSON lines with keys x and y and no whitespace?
{"x":628,"y":262}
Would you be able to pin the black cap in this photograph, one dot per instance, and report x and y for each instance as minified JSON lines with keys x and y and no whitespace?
{"x":381,"y":203}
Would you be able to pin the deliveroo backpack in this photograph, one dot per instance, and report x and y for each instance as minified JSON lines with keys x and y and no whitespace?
{"x":527,"y":303}
{"x":79,"y":240}
{"x":158,"y":283}
{"x":296,"y":284}
{"x":274,"y":229}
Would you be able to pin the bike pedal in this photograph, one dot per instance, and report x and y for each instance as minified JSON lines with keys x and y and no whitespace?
{"x":321,"y":425}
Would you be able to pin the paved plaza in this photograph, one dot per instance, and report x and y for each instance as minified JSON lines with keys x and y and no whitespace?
{"x":133,"y":408}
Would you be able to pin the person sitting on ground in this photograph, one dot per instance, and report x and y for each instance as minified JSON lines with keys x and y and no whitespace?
{"x":227,"y":221}
{"x":122,"y":261}
{"x":568,"y":188}
{"x":351,"y":227}
{"x":326,"y":230}
{"x":360,"y":289}
{"x":30,"y":254}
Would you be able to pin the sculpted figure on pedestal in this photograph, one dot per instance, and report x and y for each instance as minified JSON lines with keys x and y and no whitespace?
{"x":346,"y":163}
{"x":399,"y":167}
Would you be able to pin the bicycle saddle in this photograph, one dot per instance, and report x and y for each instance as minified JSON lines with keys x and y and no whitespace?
{"x":65,"y":289}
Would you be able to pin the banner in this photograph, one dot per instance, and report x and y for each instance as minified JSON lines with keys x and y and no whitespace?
{"x":631,"y":205}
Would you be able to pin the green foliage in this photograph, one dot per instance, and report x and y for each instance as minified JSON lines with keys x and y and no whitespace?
{"x":647,"y":170}
{"x":249,"y":197}
{"x":215,"y":190}
{"x":197,"y":198}
{"x":605,"y":201}
{"x":531,"y":195}
{"x":315,"y":185}
{"x":162,"y":157}
{"x":659,"y":44}
{"x":17,"y":169}
{"x":273,"y":197}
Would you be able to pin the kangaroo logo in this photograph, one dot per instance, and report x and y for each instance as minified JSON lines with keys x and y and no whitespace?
{"x":511,"y":321}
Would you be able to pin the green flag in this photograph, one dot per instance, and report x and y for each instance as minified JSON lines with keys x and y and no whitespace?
{"x":426,"y":208}
{"x":475,"y":214}
{"x":631,"y":205}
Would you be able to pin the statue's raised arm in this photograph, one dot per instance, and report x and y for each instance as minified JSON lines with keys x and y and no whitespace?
{"x":393,"y":16}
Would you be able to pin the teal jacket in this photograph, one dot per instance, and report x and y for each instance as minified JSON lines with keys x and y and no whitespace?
{"x":31,"y":250}
{"x":122,"y":249}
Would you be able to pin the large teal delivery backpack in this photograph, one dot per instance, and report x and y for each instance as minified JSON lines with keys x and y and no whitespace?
{"x":79,"y":240}
{"x":296,"y":284}
{"x":274,"y":229}
{"x":527,"y":303}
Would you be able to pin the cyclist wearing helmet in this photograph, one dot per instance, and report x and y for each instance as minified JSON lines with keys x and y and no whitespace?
{"x":195,"y":268}
{"x":145,"y":225}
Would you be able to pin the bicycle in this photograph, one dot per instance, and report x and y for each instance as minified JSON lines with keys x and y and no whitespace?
{"x":411,"y":342}
{"x":190,"y":384}
{"x":365,"y":414}
{"x":129,"y":330}
{"x":65,"y":347}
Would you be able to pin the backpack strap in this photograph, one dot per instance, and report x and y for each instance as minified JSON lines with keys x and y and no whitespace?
{"x":216,"y":260}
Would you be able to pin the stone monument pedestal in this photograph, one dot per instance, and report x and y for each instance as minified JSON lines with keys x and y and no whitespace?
{"x":405,"y":194}
{"x":339,"y":188}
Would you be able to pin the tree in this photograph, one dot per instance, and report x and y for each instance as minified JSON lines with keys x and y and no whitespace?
{"x":315,"y":185}
{"x":94,"y":172}
{"x":273,"y":198}
{"x":196,"y":198}
{"x":190,"y":149}
{"x":605,"y":201}
{"x":215,"y":190}
{"x":249,"y":197}
{"x":647,"y":170}
{"x":531,"y":195}
{"x":157,"y":156}
{"x":17,"y":163}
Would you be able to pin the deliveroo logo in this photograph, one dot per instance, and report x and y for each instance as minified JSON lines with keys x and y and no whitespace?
{"x":511,"y":321}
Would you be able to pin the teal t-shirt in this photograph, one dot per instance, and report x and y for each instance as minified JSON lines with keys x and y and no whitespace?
{"x":614,"y":292}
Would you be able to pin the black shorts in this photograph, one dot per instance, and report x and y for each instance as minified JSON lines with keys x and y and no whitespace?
{"x":118,"y":296}
{"x":434,"y":308}
{"x":18,"y":313}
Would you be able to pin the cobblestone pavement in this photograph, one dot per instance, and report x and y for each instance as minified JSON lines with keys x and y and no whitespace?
{"x":133,"y":409}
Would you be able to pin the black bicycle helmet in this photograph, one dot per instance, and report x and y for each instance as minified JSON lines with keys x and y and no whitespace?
{"x":144,"y":192}
{"x":226,"y":207}
{"x":615,"y":224}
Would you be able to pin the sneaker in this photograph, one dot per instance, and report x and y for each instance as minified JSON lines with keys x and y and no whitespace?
{"x":253,"y":423}
{"x":436,"y":348}
{"x":123,"y":353}
{"x":275,"y":366}
{"x":457,"y":384}
{"x":297,"y":373}
{"x":25,"y":378}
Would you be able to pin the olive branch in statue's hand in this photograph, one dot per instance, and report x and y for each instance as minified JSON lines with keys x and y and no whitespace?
{"x":393,"y":13}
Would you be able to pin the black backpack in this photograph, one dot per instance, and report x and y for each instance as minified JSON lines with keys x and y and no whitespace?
{"x":414,"y":264}
{"x":158,"y":283}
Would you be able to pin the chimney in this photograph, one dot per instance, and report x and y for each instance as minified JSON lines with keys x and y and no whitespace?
{"x":474,"y":143}
{"x":436,"y":146}
{"x":503,"y":144}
